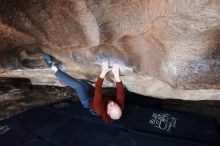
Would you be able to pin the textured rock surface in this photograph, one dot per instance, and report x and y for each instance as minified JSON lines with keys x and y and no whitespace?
{"x":165,"y":48}
{"x":18,"y":95}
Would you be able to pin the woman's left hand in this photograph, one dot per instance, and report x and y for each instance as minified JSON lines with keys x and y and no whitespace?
{"x":105,"y":69}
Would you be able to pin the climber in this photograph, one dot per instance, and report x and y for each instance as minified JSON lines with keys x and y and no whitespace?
{"x":108,"y":108}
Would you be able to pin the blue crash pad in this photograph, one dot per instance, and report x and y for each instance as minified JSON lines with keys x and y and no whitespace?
{"x":68,"y":124}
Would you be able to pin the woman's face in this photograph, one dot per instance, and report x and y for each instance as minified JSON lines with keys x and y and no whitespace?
{"x":113,"y":110}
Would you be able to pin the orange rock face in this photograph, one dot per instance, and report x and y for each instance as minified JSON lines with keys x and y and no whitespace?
{"x":165,"y":48}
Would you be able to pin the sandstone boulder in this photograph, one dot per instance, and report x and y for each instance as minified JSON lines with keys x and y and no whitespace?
{"x":165,"y":48}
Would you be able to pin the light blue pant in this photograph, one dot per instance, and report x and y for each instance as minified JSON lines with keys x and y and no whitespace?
{"x":83,"y":88}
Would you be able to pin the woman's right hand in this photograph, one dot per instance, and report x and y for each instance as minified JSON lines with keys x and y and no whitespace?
{"x":115,"y":71}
